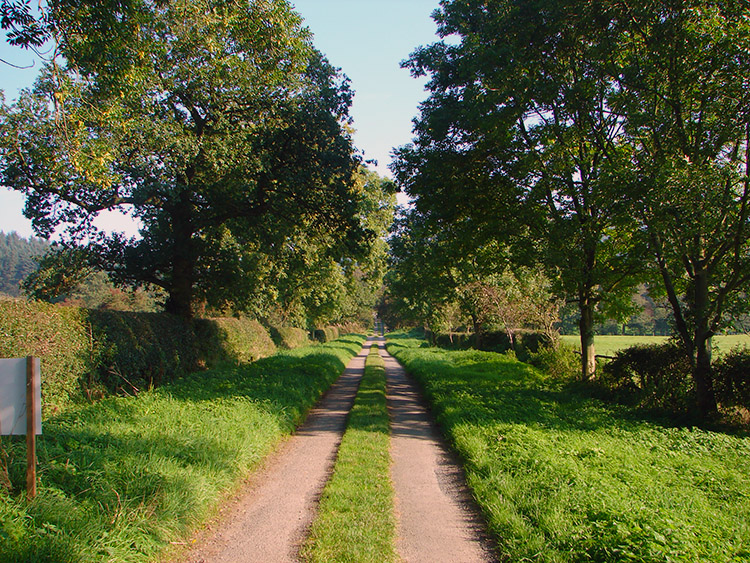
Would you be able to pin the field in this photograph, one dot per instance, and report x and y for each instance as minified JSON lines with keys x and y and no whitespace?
{"x":607,"y":345}
{"x":122,"y":479}
{"x":562,"y":477}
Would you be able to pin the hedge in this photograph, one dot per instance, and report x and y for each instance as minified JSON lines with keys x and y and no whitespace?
{"x":61,"y":336}
{"x":526,"y":342}
{"x":87,"y":353}
{"x":288,"y":338}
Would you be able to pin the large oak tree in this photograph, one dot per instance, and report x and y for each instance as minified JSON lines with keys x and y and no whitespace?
{"x":216,"y":124}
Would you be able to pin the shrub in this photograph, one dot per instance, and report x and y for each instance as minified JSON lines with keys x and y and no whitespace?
{"x":326,"y":334}
{"x":239,"y":339}
{"x":655,"y":376}
{"x":526,"y":342}
{"x":289,"y":338}
{"x":139,"y":350}
{"x":59,"y":335}
{"x":732,"y":378}
{"x":561,"y":362}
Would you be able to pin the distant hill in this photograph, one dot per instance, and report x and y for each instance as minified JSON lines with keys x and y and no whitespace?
{"x":17,"y":260}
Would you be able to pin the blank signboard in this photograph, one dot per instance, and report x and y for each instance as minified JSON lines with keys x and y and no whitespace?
{"x":13,"y":397}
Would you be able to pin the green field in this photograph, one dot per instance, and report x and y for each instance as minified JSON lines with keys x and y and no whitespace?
{"x":122,"y":479}
{"x":607,"y":345}
{"x":563,"y":477}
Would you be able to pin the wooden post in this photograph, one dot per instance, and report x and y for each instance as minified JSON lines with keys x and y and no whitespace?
{"x":32,"y":375}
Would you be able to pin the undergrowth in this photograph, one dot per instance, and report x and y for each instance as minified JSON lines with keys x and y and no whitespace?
{"x":121,"y":479}
{"x":355,"y":520}
{"x":566,"y":478}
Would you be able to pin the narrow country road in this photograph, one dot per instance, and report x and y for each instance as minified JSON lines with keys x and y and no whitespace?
{"x":437,"y":520}
{"x":269,"y":521}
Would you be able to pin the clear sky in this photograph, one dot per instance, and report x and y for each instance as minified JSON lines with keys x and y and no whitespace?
{"x":367,"y":39}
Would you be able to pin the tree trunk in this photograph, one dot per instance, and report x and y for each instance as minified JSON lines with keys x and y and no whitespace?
{"x":180,"y":301}
{"x":702,"y":372}
{"x":703,"y":378}
{"x":588,"y":351}
{"x":477,"y":332}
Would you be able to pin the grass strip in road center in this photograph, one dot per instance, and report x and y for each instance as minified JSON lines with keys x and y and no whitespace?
{"x":355,"y":520}
{"x":121,"y":479}
{"x":563,"y":477}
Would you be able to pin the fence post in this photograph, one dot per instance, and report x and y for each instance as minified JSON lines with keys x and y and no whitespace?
{"x":32,"y":377}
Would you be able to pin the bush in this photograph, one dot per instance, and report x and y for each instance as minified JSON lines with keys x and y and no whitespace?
{"x":732,"y":379}
{"x":327,"y":334}
{"x":561,"y":362}
{"x":526,"y":342}
{"x":135,"y":351}
{"x":237,"y":339}
{"x":289,"y":338}
{"x":656,"y":377}
{"x":87,"y":353}
{"x":60,"y":336}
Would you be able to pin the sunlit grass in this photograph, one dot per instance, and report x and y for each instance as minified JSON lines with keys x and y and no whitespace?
{"x":355,"y":520}
{"x":608,"y":345}
{"x":120,"y":480}
{"x":565,"y":478}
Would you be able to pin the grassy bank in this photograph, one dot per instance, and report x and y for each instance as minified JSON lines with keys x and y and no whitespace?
{"x":120,"y":480}
{"x":355,"y":521}
{"x":563,"y":478}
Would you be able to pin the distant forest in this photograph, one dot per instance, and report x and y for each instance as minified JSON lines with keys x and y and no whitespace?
{"x":17,"y":260}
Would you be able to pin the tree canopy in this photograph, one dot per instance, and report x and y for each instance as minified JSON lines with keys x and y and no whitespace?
{"x":606,"y":142}
{"x":222,"y":130}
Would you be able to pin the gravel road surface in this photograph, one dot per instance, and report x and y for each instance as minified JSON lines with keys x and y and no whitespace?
{"x":269,"y":520}
{"x":437,"y":519}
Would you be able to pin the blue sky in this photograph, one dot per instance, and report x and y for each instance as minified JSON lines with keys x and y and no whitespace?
{"x":367,"y":39}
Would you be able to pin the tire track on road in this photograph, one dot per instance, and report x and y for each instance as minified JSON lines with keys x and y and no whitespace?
{"x":437,"y":518}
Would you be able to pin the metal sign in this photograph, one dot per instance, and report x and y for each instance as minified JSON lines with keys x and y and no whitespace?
{"x":13,"y":382}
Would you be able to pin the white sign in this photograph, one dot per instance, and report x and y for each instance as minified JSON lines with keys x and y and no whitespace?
{"x":13,"y":397}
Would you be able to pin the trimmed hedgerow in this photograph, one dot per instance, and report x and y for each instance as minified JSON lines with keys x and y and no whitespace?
{"x":288,"y":337}
{"x":239,"y":340}
{"x":60,"y":336}
{"x":86,"y":353}
{"x":327,"y":334}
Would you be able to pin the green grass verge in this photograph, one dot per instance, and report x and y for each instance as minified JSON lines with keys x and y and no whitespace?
{"x":565,"y":478}
{"x":121,"y":479}
{"x":355,"y":520}
{"x":608,"y":345}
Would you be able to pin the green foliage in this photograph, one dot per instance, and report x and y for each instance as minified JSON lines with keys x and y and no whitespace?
{"x":17,"y":260}
{"x":87,"y":353}
{"x":654,"y":377}
{"x":218,"y":125}
{"x":518,"y":144}
{"x":326,"y":334}
{"x":59,"y":272}
{"x":241,"y":339}
{"x":732,"y":378}
{"x":355,"y":519}
{"x":288,"y":338}
{"x":60,"y":336}
{"x":560,"y":362}
{"x":562,"y":477}
{"x":121,"y":479}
